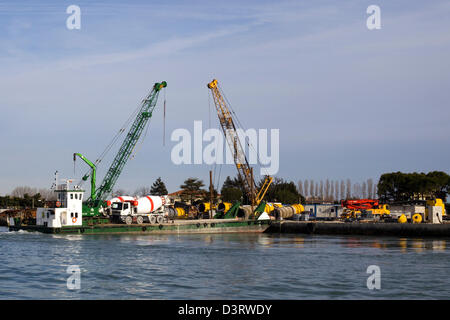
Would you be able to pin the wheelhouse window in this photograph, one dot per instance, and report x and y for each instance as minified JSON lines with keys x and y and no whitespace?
{"x":117,"y":206}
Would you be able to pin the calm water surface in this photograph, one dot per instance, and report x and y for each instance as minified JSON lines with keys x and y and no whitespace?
{"x":233,"y":266}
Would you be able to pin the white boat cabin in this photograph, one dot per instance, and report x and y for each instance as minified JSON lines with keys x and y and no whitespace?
{"x":67,"y":211}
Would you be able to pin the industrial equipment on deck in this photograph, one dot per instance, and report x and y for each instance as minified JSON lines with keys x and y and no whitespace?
{"x":370,"y":207}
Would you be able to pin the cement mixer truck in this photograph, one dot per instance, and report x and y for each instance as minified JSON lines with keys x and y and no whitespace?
{"x":148,"y":209}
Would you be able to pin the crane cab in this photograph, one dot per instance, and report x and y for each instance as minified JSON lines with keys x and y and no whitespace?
{"x":67,"y":210}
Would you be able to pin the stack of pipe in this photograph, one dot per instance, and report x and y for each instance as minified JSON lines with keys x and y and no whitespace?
{"x":270,"y":206}
{"x":205,"y":207}
{"x":288,"y":211}
{"x":176,"y":213}
{"x":244,"y":211}
{"x":224,"y":206}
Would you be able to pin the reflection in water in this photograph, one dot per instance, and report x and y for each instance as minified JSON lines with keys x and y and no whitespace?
{"x":274,"y":241}
{"x":418,"y":245}
{"x":439,"y":245}
{"x":403,"y":244}
{"x":214,"y":266}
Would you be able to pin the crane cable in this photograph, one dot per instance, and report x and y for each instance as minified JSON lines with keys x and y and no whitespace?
{"x":141,"y":142}
{"x":164,"y":120}
{"x":215,"y":181}
{"x":138,"y":146}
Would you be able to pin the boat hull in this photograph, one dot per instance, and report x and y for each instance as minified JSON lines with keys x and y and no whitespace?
{"x":200,"y":226}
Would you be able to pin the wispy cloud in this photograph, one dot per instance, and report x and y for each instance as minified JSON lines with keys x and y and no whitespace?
{"x":159,"y":49}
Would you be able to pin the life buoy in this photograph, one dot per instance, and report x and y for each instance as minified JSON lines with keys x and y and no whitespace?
{"x":58,"y":204}
{"x":74,"y":220}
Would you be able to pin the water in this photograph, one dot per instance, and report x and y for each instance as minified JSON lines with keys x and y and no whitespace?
{"x":233,"y":266}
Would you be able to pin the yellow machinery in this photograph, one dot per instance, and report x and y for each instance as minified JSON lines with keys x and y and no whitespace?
{"x":435,"y":203}
{"x":245,"y":172}
{"x":382,"y":209}
{"x":402,"y":219}
{"x":350,"y":213}
{"x":417,"y":218}
{"x":355,"y":208}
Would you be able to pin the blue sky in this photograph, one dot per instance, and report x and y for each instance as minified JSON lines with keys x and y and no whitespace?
{"x":349,"y":102}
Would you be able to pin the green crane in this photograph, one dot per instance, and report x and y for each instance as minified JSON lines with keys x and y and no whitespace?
{"x":93,"y":174}
{"x":98,"y":195}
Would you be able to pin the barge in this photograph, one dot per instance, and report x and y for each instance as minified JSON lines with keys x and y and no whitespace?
{"x":68,"y":216}
{"x":171,"y":227}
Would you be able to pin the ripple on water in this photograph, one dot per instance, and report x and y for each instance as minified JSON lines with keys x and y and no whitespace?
{"x":241,"y":266}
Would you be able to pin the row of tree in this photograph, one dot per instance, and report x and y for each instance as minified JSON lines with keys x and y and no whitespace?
{"x":399,"y":186}
{"x":395,"y":186}
{"x":335,"y":190}
{"x":279,"y":191}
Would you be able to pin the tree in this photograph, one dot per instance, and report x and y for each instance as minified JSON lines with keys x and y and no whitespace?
{"x":158,"y":188}
{"x":349,"y":189}
{"x":300,"y":187}
{"x":331,"y":196}
{"x":364,"y":190}
{"x":118,"y":192}
{"x":231,"y":194}
{"x":142,"y":191}
{"x":342,"y":189}
{"x":21,"y":191}
{"x":47,"y":194}
{"x":283,"y":191}
{"x":398,"y":186}
{"x":191,"y":189}
{"x":321,"y":190}
{"x":357,"y":190}
{"x":336,"y":191}
{"x":231,"y":190}
{"x":306,"y":185}
{"x":370,"y":188}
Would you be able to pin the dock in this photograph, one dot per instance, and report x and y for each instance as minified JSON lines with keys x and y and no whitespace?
{"x":361,"y":228}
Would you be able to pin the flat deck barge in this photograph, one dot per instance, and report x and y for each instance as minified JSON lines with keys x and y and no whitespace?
{"x":171,"y":227}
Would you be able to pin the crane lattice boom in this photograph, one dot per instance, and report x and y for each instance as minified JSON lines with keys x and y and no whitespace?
{"x":229,"y":129}
{"x":145,"y":113}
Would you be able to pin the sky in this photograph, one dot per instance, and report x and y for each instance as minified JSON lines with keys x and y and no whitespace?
{"x":349,"y":102}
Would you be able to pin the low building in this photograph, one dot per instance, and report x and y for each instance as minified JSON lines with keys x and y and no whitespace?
{"x":408,"y":210}
{"x":323,"y":211}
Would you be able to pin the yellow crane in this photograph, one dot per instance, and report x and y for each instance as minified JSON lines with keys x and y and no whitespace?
{"x":245,"y":172}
